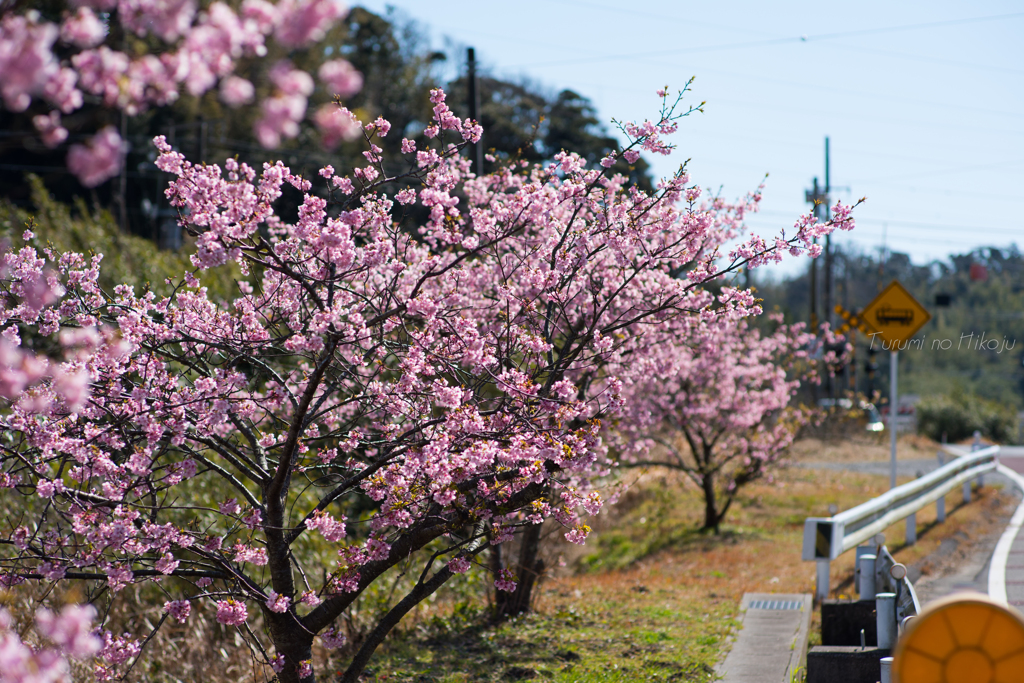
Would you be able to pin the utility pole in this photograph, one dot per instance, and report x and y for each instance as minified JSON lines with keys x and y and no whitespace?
{"x":829,"y":313}
{"x":473,"y":86}
{"x":819,"y":199}
{"x":812,"y":196}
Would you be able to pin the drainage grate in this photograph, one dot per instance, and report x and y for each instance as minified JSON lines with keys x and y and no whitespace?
{"x":776,"y":604}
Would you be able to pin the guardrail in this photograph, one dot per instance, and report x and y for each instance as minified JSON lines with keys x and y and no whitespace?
{"x":887,"y":580}
{"x":826,"y":538}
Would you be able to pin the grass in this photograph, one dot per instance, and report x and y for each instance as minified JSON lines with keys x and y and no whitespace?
{"x":595,"y":639}
{"x":651,"y":599}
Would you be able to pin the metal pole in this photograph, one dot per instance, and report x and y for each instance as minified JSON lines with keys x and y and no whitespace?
{"x":885,"y":620}
{"x":885,"y":670}
{"x":474,"y":110}
{"x":893,"y":365}
{"x":813,"y":275}
{"x":976,"y":445}
{"x":825,"y":211}
{"x":940,"y":504}
{"x":821,"y":585}
{"x":911,"y":537}
{"x":866,"y":564}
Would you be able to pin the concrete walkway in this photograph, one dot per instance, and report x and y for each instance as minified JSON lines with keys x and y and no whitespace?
{"x":772,"y":642}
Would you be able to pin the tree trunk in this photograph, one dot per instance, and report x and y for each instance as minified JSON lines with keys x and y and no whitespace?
{"x":419,"y":593}
{"x":292,"y":641}
{"x":494,"y":564}
{"x":711,"y":516}
{"x":529,"y":570}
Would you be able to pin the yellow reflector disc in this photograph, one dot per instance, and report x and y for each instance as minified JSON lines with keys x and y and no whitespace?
{"x":965,"y":638}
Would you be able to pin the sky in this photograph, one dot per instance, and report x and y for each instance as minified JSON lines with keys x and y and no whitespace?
{"x":922,"y":101}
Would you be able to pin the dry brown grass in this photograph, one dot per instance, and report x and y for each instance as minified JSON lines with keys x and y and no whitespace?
{"x":862,"y":447}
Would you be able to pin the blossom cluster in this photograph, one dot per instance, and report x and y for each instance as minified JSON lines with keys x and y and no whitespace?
{"x":70,"y":634}
{"x":64,"y":65}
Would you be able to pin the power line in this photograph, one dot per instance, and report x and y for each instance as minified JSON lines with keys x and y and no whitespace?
{"x":946,"y":171}
{"x":934,"y":60}
{"x":777,"y":41}
{"x":660,"y":17}
{"x":912,"y":224}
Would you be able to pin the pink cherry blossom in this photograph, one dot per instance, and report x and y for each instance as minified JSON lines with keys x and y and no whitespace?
{"x":71,"y":633}
{"x":459,"y":565}
{"x":236,"y":91}
{"x":26,"y":62}
{"x":83,"y":29}
{"x":340,"y":78}
{"x":71,"y":629}
{"x":281,"y":117}
{"x":178,"y":610}
{"x":50,"y":129}
{"x":506,"y":581}
{"x":167,"y":19}
{"x":336,"y":124}
{"x":473,"y":373}
{"x":332,"y":639}
{"x":331,"y":529}
{"x":277,"y":603}
{"x":231,"y":612}
{"x":99,"y":160}
{"x":301,"y":22}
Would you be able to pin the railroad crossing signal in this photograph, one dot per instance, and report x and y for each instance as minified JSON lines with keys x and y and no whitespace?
{"x":895,"y":315}
{"x":853,"y":321}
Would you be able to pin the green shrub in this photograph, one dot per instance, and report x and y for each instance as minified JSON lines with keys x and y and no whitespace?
{"x":959,"y":414}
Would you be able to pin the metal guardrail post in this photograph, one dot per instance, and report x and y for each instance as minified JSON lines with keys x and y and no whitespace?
{"x":886,"y":670}
{"x":911,"y":537}
{"x":821,"y":584}
{"x":861,"y":551}
{"x":885,"y":620}
{"x":967,"y":491}
{"x":866,"y":564}
{"x":976,"y":446}
{"x":940,"y":504}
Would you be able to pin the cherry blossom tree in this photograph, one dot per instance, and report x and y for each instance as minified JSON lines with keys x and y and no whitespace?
{"x":717,"y":407}
{"x":455,"y":372}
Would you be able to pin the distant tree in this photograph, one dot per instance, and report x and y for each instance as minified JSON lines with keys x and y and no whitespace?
{"x":718,"y":407}
{"x":990,"y":307}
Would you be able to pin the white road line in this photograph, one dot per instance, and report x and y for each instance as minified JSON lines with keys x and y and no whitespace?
{"x":997,"y":569}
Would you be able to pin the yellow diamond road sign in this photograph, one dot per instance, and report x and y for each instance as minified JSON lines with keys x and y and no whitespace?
{"x":895,"y":314}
